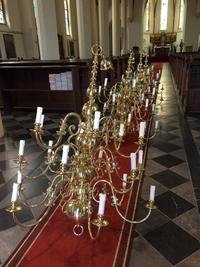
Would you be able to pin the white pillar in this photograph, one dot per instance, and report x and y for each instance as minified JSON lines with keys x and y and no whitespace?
{"x":74,"y":27}
{"x":104,"y":25}
{"x":94,"y":24}
{"x":124,"y":25}
{"x":116,"y":28}
{"x":135,"y":25}
{"x":29,"y":29}
{"x":47,"y":29}
{"x":84,"y":28}
{"x":61,"y":27}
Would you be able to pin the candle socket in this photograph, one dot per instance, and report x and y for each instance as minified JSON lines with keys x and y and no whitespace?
{"x":14,"y":208}
{"x":63,"y":168}
{"x":100,"y":221}
{"x":140,"y":168}
{"x":134,"y":176}
{"x":20,"y":160}
{"x":151,"y":205}
{"x":141,"y":141}
{"x":37,"y":128}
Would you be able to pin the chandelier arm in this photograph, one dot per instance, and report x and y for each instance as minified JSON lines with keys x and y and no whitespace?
{"x":128,"y":220}
{"x":25,"y":203}
{"x":31,"y":224}
{"x":93,"y":237}
{"x":29,"y":177}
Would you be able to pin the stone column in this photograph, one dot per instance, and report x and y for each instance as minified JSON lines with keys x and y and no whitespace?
{"x":116,"y":28}
{"x":94,"y":24}
{"x":84,"y":28}
{"x":47,"y":29}
{"x":124,"y":25}
{"x":104,"y":25}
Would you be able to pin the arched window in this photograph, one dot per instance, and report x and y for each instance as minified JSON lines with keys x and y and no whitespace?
{"x":2,"y":14}
{"x":180,"y":22}
{"x":67,"y":17}
{"x":147,"y":22}
{"x":163,"y":15}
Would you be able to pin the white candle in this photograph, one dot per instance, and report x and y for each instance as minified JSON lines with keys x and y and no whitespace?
{"x":65,"y":154}
{"x":76,"y":213}
{"x":152,"y":192}
{"x":142,"y":129}
{"x":102,"y":202}
{"x":19,"y":177}
{"x":146,"y":103}
{"x":133,"y":83}
{"x":99,"y":89}
{"x":113,"y":98}
{"x":152,"y":67}
{"x":153,"y":107}
{"x":100,"y":154}
{"x":148,"y":71}
{"x":157,"y":75}
{"x":121,"y":129}
{"x":105,"y":82}
{"x":50,"y":145}
{"x":129,"y":117}
{"x":124,"y":180}
{"x":133,"y":161}
{"x":140,"y":159}
{"x":42,"y":120}
{"x":96,"y":120}
{"x":153,"y":91}
{"x":14,"y":192}
{"x":156,"y":124}
{"x":38,"y":114}
{"x":142,"y":97}
{"x":21,"y":147}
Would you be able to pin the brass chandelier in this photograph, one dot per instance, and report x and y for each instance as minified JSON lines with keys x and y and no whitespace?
{"x":88,"y":172}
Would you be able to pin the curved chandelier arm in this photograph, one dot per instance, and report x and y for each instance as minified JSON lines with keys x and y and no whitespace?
{"x":117,"y":148}
{"x":35,"y":176}
{"x":48,"y":192}
{"x":61,"y":132}
{"x":133,"y":221}
{"x":92,"y":236}
{"x":30,"y":224}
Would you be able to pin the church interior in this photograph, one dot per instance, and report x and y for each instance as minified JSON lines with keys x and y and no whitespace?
{"x":100,"y":133}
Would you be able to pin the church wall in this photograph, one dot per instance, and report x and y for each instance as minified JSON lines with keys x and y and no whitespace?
{"x":29,"y":29}
{"x":13,"y":27}
{"x":192,"y":24}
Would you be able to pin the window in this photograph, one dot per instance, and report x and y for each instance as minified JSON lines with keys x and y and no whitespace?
{"x":147,"y":24}
{"x":180,"y":23}
{"x":67,"y":17}
{"x":163,"y":15}
{"x":2,"y":17}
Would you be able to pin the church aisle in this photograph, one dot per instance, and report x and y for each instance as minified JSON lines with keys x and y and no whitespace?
{"x":171,"y":236}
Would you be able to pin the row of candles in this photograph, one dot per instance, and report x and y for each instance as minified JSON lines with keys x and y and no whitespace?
{"x":65,"y":153}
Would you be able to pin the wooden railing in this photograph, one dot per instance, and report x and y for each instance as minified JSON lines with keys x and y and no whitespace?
{"x":25,"y":84}
{"x":186,"y":72}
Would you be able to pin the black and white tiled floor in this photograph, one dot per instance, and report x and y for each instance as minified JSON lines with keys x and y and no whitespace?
{"x":171,"y":235}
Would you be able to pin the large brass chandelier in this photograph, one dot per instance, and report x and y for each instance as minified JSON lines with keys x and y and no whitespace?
{"x":85,"y":169}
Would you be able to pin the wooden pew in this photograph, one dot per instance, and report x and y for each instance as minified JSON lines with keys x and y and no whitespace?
{"x":186,"y":73}
{"x":25,"y":84}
